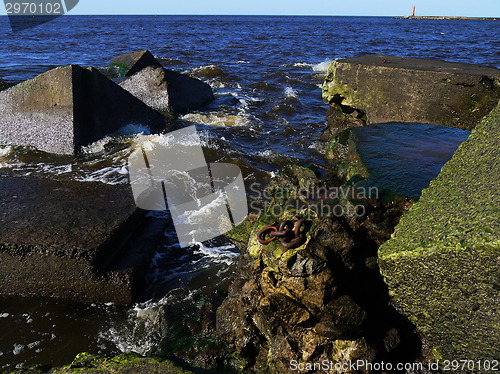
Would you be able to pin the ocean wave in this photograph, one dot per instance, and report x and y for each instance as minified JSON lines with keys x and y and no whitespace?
{"x":219,"y":119}
{"x":322,"y":67}
{"x":141,"y":333}
{"x":302,"y":65}
{"x":5,"y":150}
{"x":208,"y":71}
{"x":291,"y":93}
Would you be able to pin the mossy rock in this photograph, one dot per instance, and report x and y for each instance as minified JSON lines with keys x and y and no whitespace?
{"x":442,"y":263}
{"x":125,"y":363}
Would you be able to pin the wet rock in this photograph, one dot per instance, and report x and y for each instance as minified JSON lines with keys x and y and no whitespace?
{"x":377,"y":89}
{"x":441,"y":264}
{"x":318,"y":301}
{"x":342,"y":319}
{"x":130,"y":63}
{"x":84,"y":241}
{"x":69,"y":107}
{"x":168,"y":91}
{"x":123,"y":363}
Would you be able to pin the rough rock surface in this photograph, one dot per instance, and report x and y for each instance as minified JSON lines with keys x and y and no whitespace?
{"x":324,"y":300}
{"x":131,"y":63}
{"x":69,"y":107}
{"x":377,"y":89}
{"x":168,"y":91}
{"x":125,"y":363}
{"x":442,"y":264}
{"x":71,"y":240}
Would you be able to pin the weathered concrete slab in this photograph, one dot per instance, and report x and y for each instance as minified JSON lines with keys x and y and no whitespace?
{"x":131,"y":63}
{"x":74,"y":240}
{"x":442,"y":264}
{"x":168,"y":91}
{"x":69,"y":107}
{"x":377,"y":89}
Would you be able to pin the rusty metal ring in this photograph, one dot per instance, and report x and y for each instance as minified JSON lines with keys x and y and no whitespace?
{"x":294,"y":243}
{"x":283,"y":230}
{"x":262,"y":234}
{"x":298,"y":226}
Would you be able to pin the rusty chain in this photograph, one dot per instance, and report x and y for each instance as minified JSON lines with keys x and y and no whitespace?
{"x":290,"y":234}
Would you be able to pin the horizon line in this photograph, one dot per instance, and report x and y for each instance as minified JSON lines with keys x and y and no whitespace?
{"x":260,"y":15}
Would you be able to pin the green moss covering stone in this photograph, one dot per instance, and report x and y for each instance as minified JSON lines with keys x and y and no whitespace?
{"x":86,"y":363}
{"x":442,"y":263}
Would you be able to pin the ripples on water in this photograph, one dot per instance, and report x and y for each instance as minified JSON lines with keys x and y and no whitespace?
{"x":266,"y":73}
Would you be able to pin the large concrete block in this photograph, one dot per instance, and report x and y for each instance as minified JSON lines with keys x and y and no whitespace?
{"x":377,"y":89}
{"x":442,"y":264}
{"x":168,"y":91}
{"x":130,"y":63}
{"x":69,"y":107}
{"x":84,"y":241}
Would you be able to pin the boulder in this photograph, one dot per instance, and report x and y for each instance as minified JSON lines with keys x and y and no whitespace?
{"x":322,"y":300}
{"x":84,"y":241}
{"x":168,"y":91}
{"x":377,"y":89}
{"x":442,"y":263}
{"x":124,"y":363}
{"x":131,"y":63}
{"x":69,"y":107}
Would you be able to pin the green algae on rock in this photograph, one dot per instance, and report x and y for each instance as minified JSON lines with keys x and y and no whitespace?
{"x":442,"y":263}
{"x":325,"y":299}
{"x":377,"y":89}
{"x":86,"y":363}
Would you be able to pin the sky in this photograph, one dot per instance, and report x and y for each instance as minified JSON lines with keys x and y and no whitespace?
{"x":476,"y":8}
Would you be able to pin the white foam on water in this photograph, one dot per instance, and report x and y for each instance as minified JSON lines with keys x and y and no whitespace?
{"x":290,"y":92}
{"x":226,"y":254}
{"x":322,"y":67}
{"x":17,"y":349}
{"x":219,"y":119}
{"x":4,"y":315}
{"x":302,"y":65}
{"x":318,"y":146}
{"x":108,"y":175}
{"x":243,"y":62}
{"x":141,"y":333}
{"x":128,"y":130}
{"x":5,"y":150}
{"x":34,"y":344}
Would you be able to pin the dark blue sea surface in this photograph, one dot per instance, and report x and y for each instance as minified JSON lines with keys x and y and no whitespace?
{"x":266,"y":73}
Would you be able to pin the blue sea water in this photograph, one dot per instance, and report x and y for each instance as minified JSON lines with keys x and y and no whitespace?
{"x":266,"y":73}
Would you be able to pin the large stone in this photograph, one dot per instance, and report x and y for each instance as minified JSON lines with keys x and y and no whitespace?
{"x":323,"y":300}
{"x":168,"y":91}
{"x":378,"y":89}
{"x":84,"y":241}
{"x":69,"y":107}
{"x":86,"y":363}
{"x":131,"y":63}
{"x":442,"y":263}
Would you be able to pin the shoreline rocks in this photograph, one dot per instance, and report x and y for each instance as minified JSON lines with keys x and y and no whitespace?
{"x":377,"y":89}
{"x":167,"y":91}
{"x":69,"y":107}
{"x":441,"y":264}
{"x":73,"y":240}
{"x":324,"y":300}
